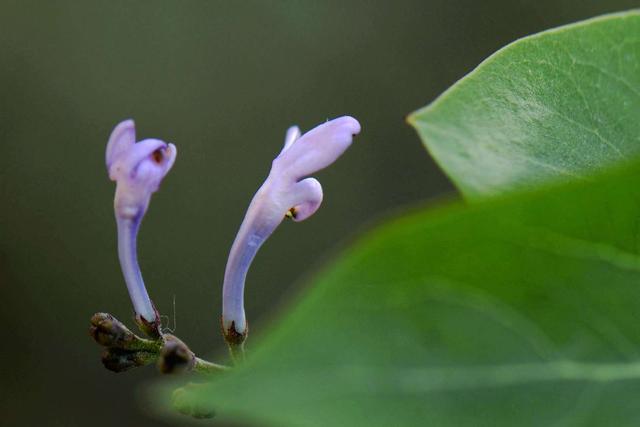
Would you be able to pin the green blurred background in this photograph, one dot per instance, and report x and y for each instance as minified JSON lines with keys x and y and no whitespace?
{"x":222,"y":80}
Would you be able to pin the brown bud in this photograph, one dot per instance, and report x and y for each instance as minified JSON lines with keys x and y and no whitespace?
{"x":235,"y":340}
{"x":108,"y":331}
{"x":175,"y":356}
{"x":152,"y":329}
{"x":232,"y":336}
{"x":118,"y":360}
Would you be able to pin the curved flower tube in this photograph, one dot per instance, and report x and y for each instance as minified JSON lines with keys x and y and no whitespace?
{"x":137,"y":169}
{"x":287,"y":192}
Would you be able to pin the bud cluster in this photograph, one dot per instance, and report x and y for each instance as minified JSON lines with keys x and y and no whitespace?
{"x":123,"y":349}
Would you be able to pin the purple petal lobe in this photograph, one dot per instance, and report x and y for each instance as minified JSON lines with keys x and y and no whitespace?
{"x":122,"y":137}
{"x":318,"y":148}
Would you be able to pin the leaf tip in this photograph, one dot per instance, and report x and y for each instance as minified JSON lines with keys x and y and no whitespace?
{"x":411,"y":119}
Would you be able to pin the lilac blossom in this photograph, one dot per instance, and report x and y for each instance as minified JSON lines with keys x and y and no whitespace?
{"x":137,"y":169}
{"x":287,"y":192}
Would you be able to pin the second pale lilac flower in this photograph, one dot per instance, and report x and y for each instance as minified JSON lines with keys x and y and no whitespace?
{"x":287,"y":191}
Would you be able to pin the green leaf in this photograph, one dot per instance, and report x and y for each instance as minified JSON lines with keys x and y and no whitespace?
{"x":556,"y":105}
{"x":513,"y":311}
{"x":518,"y":311}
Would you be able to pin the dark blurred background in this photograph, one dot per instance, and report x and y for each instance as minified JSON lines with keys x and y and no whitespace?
{"x":223,"y":81}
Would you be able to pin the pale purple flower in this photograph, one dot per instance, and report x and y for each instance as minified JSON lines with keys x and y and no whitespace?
{"x":286,"y":192}
{"x":138,"y":169}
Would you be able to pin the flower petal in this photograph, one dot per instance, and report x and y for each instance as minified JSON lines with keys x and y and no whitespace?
{"x":307,"y":196}
{"x":293,"y":133}
{"x":317,"y":149}
{"x":122,"y":138}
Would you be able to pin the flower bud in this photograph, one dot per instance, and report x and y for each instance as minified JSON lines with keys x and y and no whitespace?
{"x":175,"y":356}
{"x":118,"y":360}
{"x":108,"y":331}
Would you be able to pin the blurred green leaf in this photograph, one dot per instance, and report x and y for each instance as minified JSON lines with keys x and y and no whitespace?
{"x":520,"y":311}
{"x":555,"y":105}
